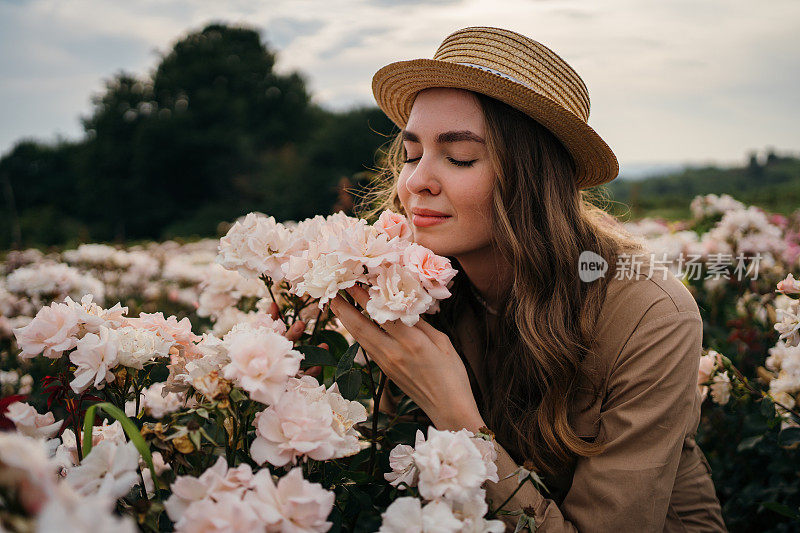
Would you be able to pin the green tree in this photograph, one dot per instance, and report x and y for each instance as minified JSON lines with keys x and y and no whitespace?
{"x":210,"y":134}
{"x":108,"y":192}
{"x":38,"y":186}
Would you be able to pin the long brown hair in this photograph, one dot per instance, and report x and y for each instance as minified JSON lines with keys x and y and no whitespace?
{"x":541,"y":224}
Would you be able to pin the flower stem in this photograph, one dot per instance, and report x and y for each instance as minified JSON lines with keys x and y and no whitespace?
{"x":268,"y":283}
{"x":141,"y":480}
{"x":493,"y":514}
{"x":316,"y":327}
{"x":375,"y":411}
{"x":743,"y":380}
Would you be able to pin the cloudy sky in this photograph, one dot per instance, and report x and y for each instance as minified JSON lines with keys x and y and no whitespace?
{"x":670,"y":81}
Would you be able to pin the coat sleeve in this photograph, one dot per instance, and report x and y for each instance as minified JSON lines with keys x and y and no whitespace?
{"x":644,"y":419}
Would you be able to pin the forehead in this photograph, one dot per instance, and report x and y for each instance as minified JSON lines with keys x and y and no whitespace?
{"x":442,"y":109}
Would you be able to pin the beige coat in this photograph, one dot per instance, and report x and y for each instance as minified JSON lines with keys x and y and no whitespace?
{"x":652,"y":477}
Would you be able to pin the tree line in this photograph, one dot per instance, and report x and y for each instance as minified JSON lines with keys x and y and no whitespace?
{"x":211,"y":134}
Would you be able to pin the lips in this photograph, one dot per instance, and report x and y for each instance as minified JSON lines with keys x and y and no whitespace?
{"x":423,"y":221}
{"x":428,"y":213}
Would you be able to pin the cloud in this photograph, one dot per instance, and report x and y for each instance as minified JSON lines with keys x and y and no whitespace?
{"x":668,"y":81}
{"x":283,"y":31}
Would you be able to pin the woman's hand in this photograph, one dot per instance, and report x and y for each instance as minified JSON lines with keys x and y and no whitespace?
{"x":294,"y":333}
{"x":420,"y":359}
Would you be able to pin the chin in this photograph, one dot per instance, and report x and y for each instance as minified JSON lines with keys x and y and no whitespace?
{"x":431,"y":244}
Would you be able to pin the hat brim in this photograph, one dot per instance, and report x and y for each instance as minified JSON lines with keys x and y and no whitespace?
{"x":396,"y":85}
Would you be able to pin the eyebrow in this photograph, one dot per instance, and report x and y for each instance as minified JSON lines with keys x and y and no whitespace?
{"x":446,"y":137}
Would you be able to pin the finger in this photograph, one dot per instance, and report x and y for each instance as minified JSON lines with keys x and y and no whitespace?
{"x":359,"y":294}
{"x":366,"y":332}
{"x":296,"y":330}
{"x":273,"y":311}
{"x":435,"y":335}
{"x":408,"y":336}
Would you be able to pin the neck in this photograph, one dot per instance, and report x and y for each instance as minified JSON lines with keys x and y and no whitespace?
{"x":488,"y":272}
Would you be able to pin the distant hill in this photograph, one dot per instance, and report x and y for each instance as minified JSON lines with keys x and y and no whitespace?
{"x":773,"y":184}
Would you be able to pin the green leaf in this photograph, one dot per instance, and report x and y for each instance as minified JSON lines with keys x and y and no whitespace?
{"x":349,"y":384}
{"x":403,"y":432}
{"x":346,"y":361}
{"x":358,"y":459}
{"x":789,"y":436}
{"x":347,"y":377}
{"x":785,"y":510}
{"x":335,"y":340}
{"x":521,"y":523}
{"x":194,"y":436}
{"x":406,"y":406}
{"x":749,"y":443}
{"x":203,"y":412}
{"x":130,"y":429}
{"x":237,"y":396}
{"x":336,"y":518}
{"x":314,"y":355}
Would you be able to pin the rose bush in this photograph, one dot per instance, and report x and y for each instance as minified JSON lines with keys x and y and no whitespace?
{"x":210,"y":350}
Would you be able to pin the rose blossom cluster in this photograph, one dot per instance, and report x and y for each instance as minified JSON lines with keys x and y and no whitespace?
{"x":47,"y":281}
{"x":711,"y":205}
{"x":318,"y":257}
{"x":123,"y":272}
{"x":784,"y":358}
{"x":235,"y":499}
{"x":712,"y":377}
{"x":220,"y":292}
{"x":101,"y":339}
{"x":783,"y":363}
{"x":83,"y":502}
{"x":253,"y":355}
{"x":302,"y":418}
{"x":308,"y":420}
{"x":448,"y":469}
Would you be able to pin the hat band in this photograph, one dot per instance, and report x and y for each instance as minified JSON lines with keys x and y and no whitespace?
{"x":498,"y":73}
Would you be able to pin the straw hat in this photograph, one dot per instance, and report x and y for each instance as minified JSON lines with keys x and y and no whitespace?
{"x":513,"y":69}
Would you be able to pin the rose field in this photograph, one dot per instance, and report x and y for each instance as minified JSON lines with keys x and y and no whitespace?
{"x":207,"y":386}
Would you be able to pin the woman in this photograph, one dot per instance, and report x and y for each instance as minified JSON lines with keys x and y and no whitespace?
{"x":587,"y":376}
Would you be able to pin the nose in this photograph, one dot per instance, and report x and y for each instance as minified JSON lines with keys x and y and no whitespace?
{"x":423,"y":178}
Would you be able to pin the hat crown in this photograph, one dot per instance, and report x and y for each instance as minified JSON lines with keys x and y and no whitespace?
{"x":520,"y":59}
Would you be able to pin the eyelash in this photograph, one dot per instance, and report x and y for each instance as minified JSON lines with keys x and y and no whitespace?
{"x":456,"y":162}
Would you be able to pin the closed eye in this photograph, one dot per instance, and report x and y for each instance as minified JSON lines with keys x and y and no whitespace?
{"x":456,"y":162}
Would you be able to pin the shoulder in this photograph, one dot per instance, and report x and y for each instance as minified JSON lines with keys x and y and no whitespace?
{"x":652,"y":304}
{"x":648,"y":293}
{"x":631,"y":303}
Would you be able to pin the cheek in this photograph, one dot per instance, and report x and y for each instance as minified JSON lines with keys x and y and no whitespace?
{"x":402,"y":193}
{"x":475,"y":202}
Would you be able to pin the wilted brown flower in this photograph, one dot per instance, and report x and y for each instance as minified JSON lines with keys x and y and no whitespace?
{"x":183,"y":444}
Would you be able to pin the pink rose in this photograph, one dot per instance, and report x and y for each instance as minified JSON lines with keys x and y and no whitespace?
{"x":262,"y":361}
{"x":707,"y":365}
{"x":789,"y":285}
{"x":215,"y":482}
{"x":293,"y":504}
{"x":434,"y":271}
{"x":31,"y":423}
{"x":52,"y":330}
{"x":393,"y":224}
{"x":168,"y":328}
